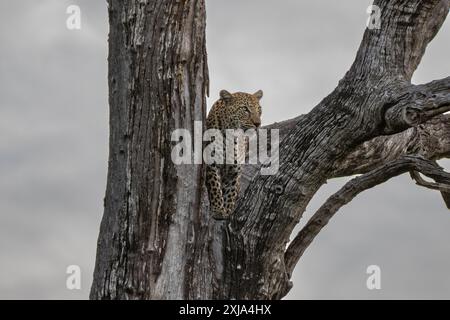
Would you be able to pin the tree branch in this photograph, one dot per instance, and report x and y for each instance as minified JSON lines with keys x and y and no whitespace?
{"x":427,"y":184}
{"x":444,"y":189}
{"x":446,"y":198}
{"x":417,"y":104}
{"x":350,"y":190}
{"x":430,"y":140}
{"x":355,"y":112}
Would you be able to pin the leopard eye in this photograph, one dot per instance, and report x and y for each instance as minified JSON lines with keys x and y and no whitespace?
{"x":248,"y":110}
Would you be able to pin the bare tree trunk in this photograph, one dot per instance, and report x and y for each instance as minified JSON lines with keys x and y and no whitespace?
{"x":157,"y":240}
{"x":158,"y":80}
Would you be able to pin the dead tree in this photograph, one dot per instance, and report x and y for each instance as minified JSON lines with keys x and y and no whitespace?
{"x":157,"y":239}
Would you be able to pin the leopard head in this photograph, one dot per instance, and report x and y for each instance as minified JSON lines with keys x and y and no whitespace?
{"x":243,"y":109}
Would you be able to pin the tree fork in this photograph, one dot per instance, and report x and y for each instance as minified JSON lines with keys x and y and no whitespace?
{"x":157,"y":240}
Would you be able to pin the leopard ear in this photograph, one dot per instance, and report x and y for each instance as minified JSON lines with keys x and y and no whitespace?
{"x":258,"y":94}
{"x":225,"y":95}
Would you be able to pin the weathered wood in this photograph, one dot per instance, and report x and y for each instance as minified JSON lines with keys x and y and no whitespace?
{"x":158,"y":81}
{"x":157,"y":240}
{"x":363,"y":106}
{"x":430,"y":139}
{"x":354,"y":187}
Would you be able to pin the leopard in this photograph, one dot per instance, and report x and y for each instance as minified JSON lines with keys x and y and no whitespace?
{"x":237,"y":110}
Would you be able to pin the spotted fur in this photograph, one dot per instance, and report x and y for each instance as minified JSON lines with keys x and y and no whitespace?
{"x":232,"y":111}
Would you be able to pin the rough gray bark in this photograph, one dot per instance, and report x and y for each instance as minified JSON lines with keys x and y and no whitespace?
{"x":158,"y":81}
{"x":430,"y":140}
{"x":157,"y":239}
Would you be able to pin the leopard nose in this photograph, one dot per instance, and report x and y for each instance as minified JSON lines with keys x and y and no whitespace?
{"x":257,"y":123}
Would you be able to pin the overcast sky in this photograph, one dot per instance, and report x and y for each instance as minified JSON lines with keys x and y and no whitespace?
{"x":54,"y":144}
